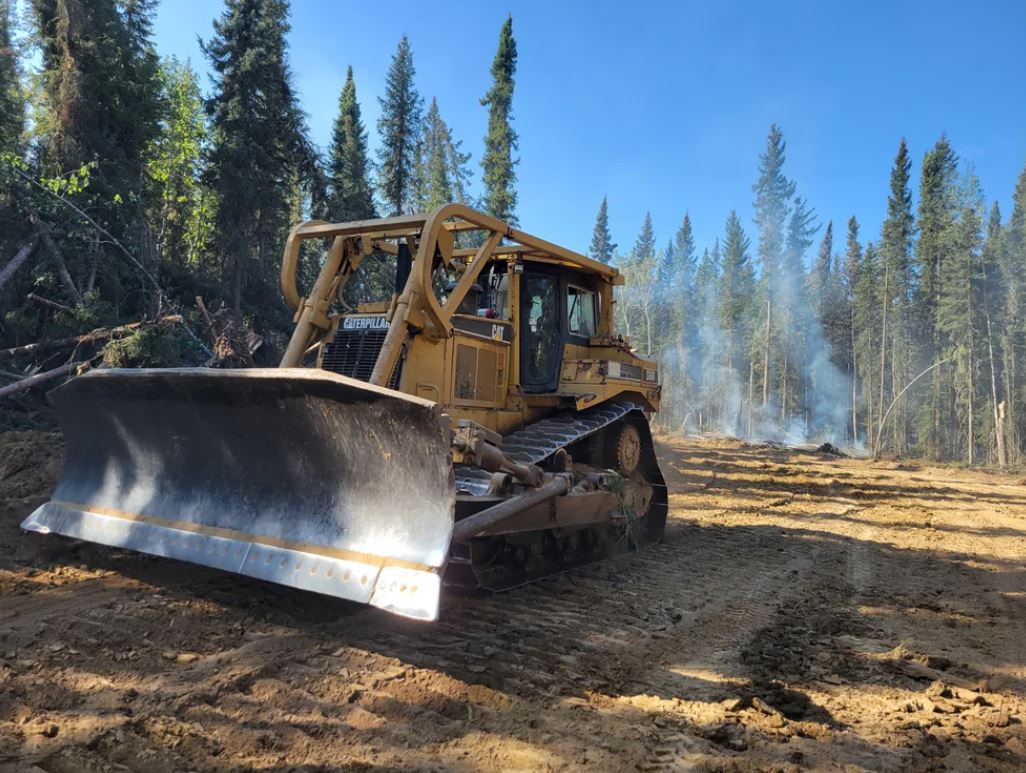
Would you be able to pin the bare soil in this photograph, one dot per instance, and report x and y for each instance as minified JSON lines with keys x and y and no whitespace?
{"x":805,"y":612}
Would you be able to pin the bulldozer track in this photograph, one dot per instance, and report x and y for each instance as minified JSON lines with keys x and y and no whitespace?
{"x":538,"y":441}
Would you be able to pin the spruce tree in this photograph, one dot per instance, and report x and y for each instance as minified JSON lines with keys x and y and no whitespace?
{"x":350,"y":195}
{"x":735,"y":294}
{"x":788,"y":337}
{"x":867,"y":302}
{"x":1013,"y":275}
{"x":895,"y":346}
{"x":639,"y":272}
{"x":602,"y":245}
{"x":958,"y":305}
{"x":850,"y":276}
{"x":259,"y":150}
{"x":442,"y":174}
{"x":821,"y":270}
{"x":498,"y":162}
{"x":99,"y":108}
{"x":936,"y":219}
{"x":773,"y":192}
{"x":399,"y":129}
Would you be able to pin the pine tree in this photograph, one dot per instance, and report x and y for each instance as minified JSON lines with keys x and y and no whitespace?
{"x":498,"y":162}
{"x":895,"y":346}
{"x":399,"y":127}
{"x":773,"y":192}
{"x":259,"y":150}
{"x":12,"y":104}
{"x":350,"y":196}
{"x":602,"y":244}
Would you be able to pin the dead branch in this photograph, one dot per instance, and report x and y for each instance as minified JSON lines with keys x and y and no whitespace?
{"x":99,"y":334}
{"x":40,"y":378}
{"x":18,"y":260}
{"x":54,"y":254}
{"x":207,"y":319}
{"x":50,"y":304}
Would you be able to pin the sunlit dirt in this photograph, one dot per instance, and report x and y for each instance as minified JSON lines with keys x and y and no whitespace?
{"x":806,"y":611}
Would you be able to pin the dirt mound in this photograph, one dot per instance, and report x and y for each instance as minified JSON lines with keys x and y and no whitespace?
{"x":29,"y":463}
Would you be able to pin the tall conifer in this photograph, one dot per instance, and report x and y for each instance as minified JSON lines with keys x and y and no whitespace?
{"x":602,"y":245}
{"x":350,"y":196}
{"x":498,"y":162}
{"x":259,"y":149}
{"x":399,"y":128}
{"x":896,"y":249}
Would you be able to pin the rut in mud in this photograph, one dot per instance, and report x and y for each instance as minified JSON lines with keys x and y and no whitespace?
{"x":805,"y":611}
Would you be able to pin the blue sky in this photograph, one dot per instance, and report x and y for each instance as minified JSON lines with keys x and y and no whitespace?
{"x":666,"y":106}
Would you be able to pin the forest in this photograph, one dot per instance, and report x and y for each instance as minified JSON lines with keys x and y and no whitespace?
{"x":142,"y":218}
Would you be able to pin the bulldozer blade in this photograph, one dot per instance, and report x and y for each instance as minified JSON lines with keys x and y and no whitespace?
{"x":296,"y":476}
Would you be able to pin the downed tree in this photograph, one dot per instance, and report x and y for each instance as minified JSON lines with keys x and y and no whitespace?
{"x":99,"y":334}
{"x":18,"y":260}
{"x":37,"y":379}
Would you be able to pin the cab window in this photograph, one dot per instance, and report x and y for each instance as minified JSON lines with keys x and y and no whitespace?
{"x":581,"y":308}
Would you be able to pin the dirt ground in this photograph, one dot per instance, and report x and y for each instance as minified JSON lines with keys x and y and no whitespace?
{"x":805,"y":612}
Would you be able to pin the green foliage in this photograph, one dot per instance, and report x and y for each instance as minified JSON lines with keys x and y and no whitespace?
{"x":180,"y":205}
{"x":602,"y":245}
{"x":12,"y":103}
{"x":498,"y":162}
{"x":399,"y":128}
{"x":260,"y":157}
{"x":147,"y":348}
{"x":736,"y":286}
{"x":441,"y":171}
{"x":350,"y":197}
{"x":772,"y":191}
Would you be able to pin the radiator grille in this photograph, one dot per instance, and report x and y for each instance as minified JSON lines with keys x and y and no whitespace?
{"x":353,"y":353}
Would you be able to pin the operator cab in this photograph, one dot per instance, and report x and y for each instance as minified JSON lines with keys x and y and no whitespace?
{"x":558,"y":307}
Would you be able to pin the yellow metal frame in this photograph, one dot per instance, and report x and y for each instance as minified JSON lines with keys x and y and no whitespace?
{"x":416,"y":315}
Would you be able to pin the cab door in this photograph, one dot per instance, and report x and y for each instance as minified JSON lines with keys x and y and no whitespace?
{"x":541,"y":330}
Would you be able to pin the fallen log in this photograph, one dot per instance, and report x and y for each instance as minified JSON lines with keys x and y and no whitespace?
{"x":18,"y":260}
{"x":40,"y":378}
{"x":99,"y":334}
{"x":40,"y":300}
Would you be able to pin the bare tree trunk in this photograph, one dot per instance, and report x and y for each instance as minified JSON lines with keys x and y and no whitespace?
{"x":766,"y":350}
{"x":883,"y":348}
{"x":62,"y":269}
{"x":999,"y":423}
{"x":18,"y":260}
{"x":648,"y":328}
{"x":751,"y":395}
{"x":854,"y":379}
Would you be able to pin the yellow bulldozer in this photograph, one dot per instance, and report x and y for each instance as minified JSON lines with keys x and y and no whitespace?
{"x":484,"y":427}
